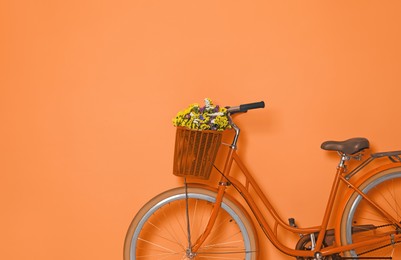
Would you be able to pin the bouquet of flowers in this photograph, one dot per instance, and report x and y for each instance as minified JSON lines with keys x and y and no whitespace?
{"x":207,"y":117}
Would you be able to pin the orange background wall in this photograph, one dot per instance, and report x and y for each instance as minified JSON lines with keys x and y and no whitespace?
{"x":88,"y":90}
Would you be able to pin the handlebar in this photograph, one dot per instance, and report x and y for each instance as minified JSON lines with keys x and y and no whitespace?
{"x":241,"y":109}
{"x":245,"y":107}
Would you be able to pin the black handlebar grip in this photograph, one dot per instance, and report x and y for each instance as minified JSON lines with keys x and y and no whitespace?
{"x":246,"y":107}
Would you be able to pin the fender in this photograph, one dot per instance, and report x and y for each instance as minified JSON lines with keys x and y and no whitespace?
{"x":350,"y":192}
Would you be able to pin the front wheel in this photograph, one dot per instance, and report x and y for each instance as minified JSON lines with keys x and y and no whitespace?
{"x":361,"y":222}
{"x":160,"y":228}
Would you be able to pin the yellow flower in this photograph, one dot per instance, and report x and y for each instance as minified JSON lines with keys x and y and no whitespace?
{"x":203,"y":118}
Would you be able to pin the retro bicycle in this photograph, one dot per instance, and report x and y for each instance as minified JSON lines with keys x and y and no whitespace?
{"x":200,"y":221}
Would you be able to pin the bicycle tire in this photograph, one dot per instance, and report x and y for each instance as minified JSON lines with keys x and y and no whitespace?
{"x":159,"y":230}
{"x":358,"y":217}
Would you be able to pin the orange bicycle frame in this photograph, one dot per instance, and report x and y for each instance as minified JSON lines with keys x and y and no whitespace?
{"x":243,"y":189}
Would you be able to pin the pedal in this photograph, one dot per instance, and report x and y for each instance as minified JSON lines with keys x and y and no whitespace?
{"x":291,"y":221}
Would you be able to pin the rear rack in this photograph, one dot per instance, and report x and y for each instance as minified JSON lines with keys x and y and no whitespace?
{"x":394,"y":156}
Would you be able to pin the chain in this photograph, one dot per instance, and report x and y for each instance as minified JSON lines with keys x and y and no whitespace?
{"x":378,"y":248}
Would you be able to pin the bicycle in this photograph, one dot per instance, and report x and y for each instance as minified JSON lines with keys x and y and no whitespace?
{"x":199,"y":221}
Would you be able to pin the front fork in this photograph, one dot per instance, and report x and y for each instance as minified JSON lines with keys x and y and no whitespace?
{"x":192,"y":250}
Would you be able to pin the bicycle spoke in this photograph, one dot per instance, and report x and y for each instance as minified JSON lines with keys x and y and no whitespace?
{"x":384,"y":190}
{"x":393,"y":204}
{"x":162,"y":229}
{"x":175,"y":241}
{"x":219,"y":257}
{"x":222,"y":245}
{"x":173,"y":235}
{"x":221,"y":235}
{"x":172,"y":231}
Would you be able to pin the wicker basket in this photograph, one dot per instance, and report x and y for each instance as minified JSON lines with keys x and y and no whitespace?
{"x":195,"y":152}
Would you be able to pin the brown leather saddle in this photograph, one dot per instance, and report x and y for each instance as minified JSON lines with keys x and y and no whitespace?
{"x":350,"y":146}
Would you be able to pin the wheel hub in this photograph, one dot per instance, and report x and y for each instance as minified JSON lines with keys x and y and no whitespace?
{"x":190,"y":254}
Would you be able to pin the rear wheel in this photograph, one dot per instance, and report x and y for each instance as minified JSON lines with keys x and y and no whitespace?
{"x":159,"y":230}
{"x":361,"y":222}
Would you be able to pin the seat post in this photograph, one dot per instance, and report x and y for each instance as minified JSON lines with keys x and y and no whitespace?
{"x":344,"y":158}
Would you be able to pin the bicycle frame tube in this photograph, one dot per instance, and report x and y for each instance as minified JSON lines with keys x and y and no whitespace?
{"x":243,"y":189}
{"x":373,"y":204}
{"x":250,"y":181}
